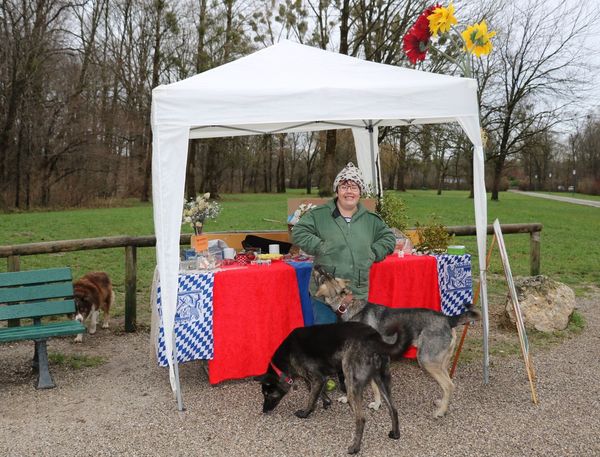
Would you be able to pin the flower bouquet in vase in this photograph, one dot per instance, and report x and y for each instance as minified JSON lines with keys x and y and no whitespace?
{"x":302,"y":209}
{"x":195,"y":213}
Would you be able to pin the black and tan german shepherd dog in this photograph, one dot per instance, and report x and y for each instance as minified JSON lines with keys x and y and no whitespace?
{"x":432,"y":332}
{"x":314,"y":353}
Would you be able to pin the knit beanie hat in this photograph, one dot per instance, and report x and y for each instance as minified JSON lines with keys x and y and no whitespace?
{"x":350,"y":173}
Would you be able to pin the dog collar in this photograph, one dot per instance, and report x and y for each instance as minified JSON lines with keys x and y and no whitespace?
{"x":282,"y":376}
{"x":343,"y":307}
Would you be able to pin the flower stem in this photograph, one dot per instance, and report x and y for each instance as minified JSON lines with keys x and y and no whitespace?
{"x":459,"y":63}
{"x":466,"y":67}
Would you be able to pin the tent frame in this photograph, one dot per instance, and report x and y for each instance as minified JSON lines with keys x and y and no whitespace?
{"x":176,"y":118}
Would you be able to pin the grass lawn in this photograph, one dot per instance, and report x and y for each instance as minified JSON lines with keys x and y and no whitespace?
{"x":570,"y":248}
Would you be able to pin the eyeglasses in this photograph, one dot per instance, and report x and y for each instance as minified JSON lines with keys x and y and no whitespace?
{"x":346,"y":187}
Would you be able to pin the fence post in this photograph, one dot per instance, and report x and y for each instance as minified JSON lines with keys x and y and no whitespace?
{"x":535,"y":242}
{"x":13,"y":263}
{"x":130,"y":287}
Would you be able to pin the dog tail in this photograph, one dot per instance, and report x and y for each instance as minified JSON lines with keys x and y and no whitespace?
{"x":468,"y":316}
{"x":397,"y":348}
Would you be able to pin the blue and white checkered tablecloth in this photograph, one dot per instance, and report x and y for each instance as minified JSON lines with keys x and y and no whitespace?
{"x":193,"y":319}
{"x":456,"y":284}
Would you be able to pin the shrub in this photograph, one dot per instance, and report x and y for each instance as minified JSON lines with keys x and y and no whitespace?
{"x":433,"y":237}
{"x":392,"y":210}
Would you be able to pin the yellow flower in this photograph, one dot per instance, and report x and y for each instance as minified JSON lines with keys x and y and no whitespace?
{"x":441,"y":19}
{"x":478,"y":39}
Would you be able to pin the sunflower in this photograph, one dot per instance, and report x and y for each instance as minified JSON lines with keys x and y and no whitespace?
{"x":478,"y":39}
{"x":441,"y":19}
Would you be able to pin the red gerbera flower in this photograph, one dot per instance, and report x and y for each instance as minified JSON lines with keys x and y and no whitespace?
{"x":416,"y":41}
{"x":415,"y":45}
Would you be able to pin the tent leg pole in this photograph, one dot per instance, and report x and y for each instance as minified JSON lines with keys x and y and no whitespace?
{"x":180,"y":405}
{"x":486,"y":335}
{"x":373,"y":162}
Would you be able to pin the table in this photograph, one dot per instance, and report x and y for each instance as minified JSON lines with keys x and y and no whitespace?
{"x":405,"y":282}
{"x":252,"y":309}
{"x":236,"y":317}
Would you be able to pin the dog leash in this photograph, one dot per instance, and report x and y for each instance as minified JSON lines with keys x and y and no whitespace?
{"x":282,"y":376}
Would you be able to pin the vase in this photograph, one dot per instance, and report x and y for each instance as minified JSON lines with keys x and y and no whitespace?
{"x":198,"y":227}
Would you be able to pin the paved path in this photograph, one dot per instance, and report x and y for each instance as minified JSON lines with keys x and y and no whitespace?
{"x":577,"y":201}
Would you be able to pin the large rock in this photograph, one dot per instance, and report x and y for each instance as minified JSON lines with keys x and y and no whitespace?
{"x":546,"y":305}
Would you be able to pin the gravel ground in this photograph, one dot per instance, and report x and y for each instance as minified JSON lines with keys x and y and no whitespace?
{"x":125,"y":408}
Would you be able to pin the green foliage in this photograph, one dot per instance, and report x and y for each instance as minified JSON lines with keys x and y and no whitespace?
{"x":77,"y":361}
{"x":433,"y":237}
{"x":392,"y":210}
{"x":576,"y":322}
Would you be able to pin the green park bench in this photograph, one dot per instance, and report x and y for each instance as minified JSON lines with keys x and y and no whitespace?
{"x":26,"y":297}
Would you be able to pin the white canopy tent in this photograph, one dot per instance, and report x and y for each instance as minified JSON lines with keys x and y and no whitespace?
{"x":290,"y":87}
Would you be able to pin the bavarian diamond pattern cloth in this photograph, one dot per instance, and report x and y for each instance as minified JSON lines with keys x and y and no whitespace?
{"x":193,"y":319}
{"x":456,"y":284}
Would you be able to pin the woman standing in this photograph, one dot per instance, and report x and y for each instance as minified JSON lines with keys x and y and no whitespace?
{"x":344,"y":237}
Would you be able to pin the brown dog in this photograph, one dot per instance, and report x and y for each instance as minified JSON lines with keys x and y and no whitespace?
{"x":93,"y":292}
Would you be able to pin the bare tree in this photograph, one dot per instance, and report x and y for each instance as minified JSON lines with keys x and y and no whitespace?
{"x":539,"y":73}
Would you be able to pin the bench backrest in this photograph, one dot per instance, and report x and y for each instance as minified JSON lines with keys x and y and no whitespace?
{"x":36,"y":293}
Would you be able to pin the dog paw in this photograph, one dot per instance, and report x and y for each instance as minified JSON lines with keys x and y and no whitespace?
{"x":374,"y":405}
{"x":353,"y":449}
{"x":78,"y":339}
{"x":302,"y":414}
{"x":439,"y":413}
{"x":326,"y":403}
{"x":394,"y":435}
{"x":105,"y":325}
{"x":343,"y":399}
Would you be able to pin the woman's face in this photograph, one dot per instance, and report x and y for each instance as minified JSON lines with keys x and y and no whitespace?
{"x":348,"y":193}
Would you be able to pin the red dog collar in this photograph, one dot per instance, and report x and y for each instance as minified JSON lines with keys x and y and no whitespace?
{"x":282,"y":376}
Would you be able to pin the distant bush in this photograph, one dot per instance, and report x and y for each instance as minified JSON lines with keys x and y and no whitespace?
{"x":588,"y":186}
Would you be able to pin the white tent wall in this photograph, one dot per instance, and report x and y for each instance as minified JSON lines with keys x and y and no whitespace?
{"x":286,"y":88}
{"x":168,"y":180}
{"x":472,"y":128}
{"x":367,"y":156}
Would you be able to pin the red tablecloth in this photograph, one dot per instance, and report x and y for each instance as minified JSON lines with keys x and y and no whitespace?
{"x":405,"y":282}
{"x":254,"y":309}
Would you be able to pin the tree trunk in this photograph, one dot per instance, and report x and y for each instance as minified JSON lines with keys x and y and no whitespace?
{"x":213,"y":175}
{"x":498,"y":166}
{"x":281,"y":165}
{"x":190,"y":171}
{"x":328,"y":173}
{"x":401,"y":185}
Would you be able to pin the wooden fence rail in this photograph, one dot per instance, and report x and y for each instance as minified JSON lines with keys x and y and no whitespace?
{"x":131,"y":243}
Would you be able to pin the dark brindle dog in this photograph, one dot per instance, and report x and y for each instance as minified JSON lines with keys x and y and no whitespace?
{"x":314,"y":353}
{"x":432,"y":332}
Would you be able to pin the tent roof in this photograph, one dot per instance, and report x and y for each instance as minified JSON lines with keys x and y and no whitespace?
{"x":286,"y":86}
